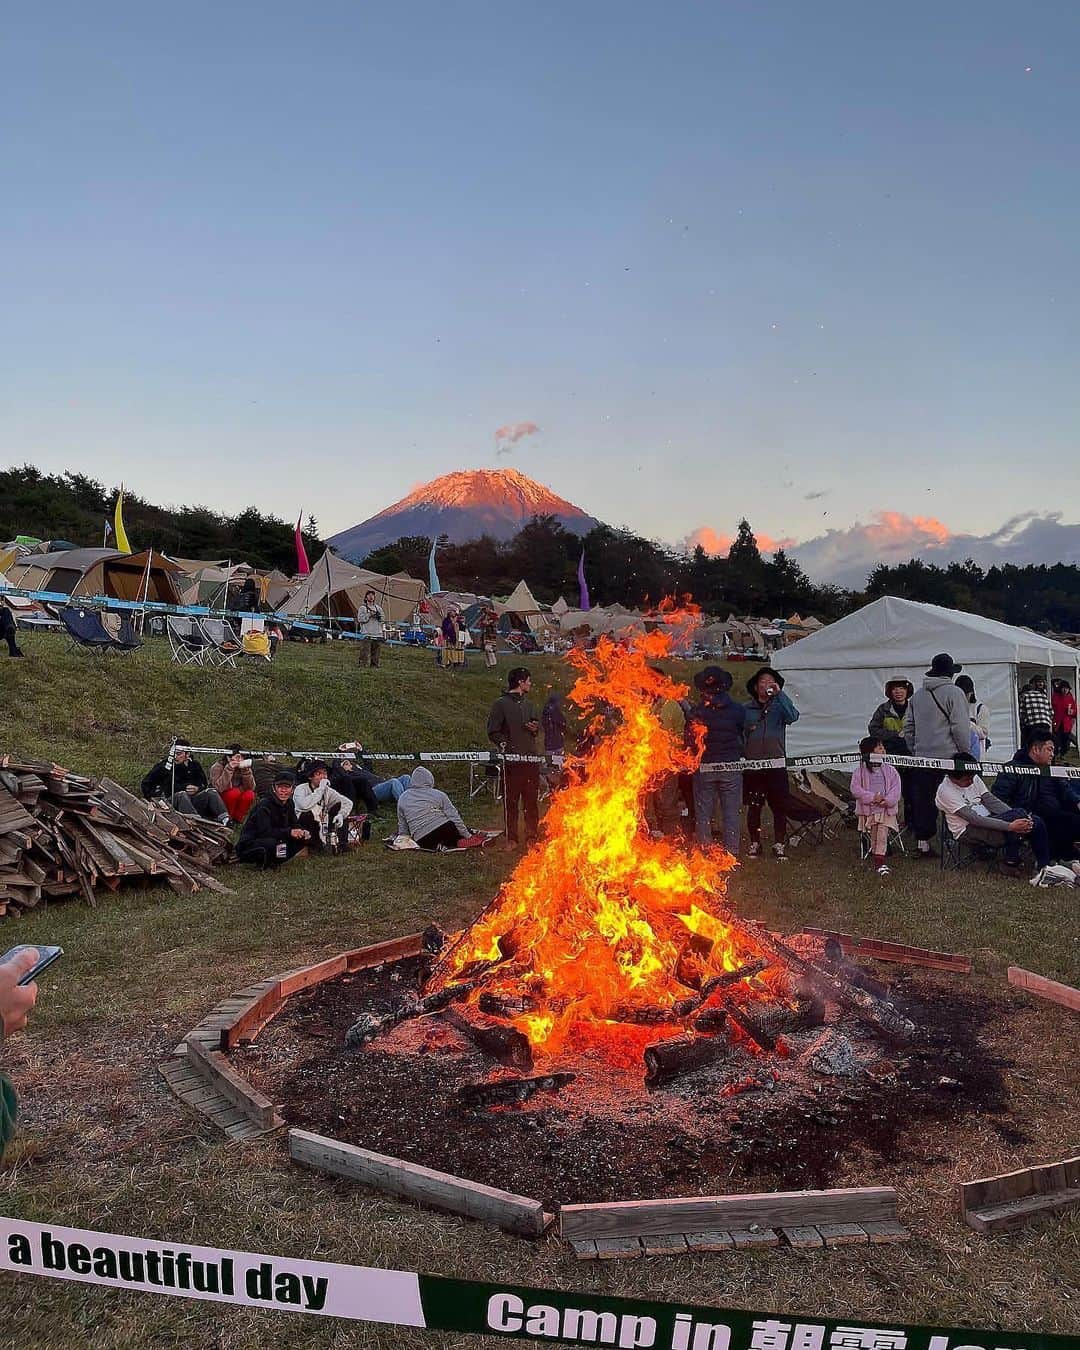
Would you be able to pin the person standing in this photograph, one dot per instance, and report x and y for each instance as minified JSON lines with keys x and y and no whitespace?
{"x":1063,"y":703}
{"x":8,"y":631}
{"x":453,"y":652}
{"x":768,"y":715}
{"x":887,"y":725}
{"x":937,"y":726}
{"x":489,"y":636}
{"x":513,"y":726}
{"x":980,"y":725}
{"x":721,"y":722}
{"x":370,"y":620}
{"x":1035,"y":706}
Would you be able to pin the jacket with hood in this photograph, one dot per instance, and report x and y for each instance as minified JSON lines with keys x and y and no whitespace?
{"x":875,"y":780}
{"x":724,"y":723}
{"x":887,"y":724}
{"x":507,"y":725}
{"x":163,"y":781}
{"x":1034,"y":792}
{"x":268,"y":824}
{"x":422,"y":808}
{"x":938,"y":720}
{"x":766,"y":726}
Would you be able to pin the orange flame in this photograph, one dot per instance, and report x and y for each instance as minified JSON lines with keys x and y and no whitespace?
{"x":599,"y":917}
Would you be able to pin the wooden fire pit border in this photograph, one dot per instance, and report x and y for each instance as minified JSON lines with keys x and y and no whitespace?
{"x":201,"y":1077}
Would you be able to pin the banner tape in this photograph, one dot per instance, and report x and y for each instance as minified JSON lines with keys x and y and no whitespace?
{"x":436,"y":1303}
{"x":734,"y":766}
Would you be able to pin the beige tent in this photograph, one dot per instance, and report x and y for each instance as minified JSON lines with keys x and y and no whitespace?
{"x":335,"y":589}
{"x":523,"y":605}
{"x":101,"y":572}
{"x":560,"y":607}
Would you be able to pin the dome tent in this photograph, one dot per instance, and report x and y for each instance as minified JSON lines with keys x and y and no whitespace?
{"x":836,"y":676}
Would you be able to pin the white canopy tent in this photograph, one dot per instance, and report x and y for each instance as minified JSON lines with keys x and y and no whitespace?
{"x":836,"y":676}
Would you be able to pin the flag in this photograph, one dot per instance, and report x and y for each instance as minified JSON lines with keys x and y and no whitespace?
{"x":118,"y":523}
{"x":433,"y":576}
{"x":583,"y":585}
{"x":303,"y":567}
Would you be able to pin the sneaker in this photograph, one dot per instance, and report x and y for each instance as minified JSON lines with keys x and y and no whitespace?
{"x":779,"y":853}
{"x":754,"y":851}
{"x":884,"y":870}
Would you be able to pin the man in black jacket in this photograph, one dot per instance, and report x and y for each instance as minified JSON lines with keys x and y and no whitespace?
{"x":513,"y":726}
{"x":722,"y":722}
{"x":1049,"y":798}
{"x":181,"y":781}
{"x":273,"y":832}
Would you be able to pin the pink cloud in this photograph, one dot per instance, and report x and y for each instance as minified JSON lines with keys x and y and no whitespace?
{"x":512,"y":433}
{"x":717,"y":545}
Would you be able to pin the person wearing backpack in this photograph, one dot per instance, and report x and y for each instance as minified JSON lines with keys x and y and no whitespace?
{"x":937,"y":725}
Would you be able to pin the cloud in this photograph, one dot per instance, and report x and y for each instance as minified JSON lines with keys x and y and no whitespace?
{"x":509,"y":435}
{"x":847,"y":556}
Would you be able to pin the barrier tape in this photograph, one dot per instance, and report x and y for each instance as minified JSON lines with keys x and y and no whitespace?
{"x":723,"y":766}
{"x":436,"y":1303}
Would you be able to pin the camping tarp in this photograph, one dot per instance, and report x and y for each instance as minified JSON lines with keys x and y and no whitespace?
{"x":836,"y":675}
{"x":336,"y":588}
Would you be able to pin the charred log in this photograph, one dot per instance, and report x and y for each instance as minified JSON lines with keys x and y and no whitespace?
{"x":509,"y":1091}
{"x":685,"y":1006}
{"x":754,"y":1026}
{"x":669,"y":1059}
{"x":368,"y":1026}
{"x":505,"y":1005}
{"x":504,"y":1043}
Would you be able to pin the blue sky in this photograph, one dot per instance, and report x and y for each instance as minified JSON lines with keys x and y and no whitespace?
{"x":725,"y":255}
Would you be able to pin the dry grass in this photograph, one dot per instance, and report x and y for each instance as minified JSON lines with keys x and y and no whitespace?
{"x":104,"y":1145}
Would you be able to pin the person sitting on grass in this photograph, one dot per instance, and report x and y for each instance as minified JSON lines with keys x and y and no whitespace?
{"x":876,"y":789}
{"x":427,"y":815}
{"x":181,"y":781}
{"x":273,"y":832}
{"x":330,"y":809}
{"x":974,"y":814}
{"x":1038,"y":794}
{"x":232,"y":779}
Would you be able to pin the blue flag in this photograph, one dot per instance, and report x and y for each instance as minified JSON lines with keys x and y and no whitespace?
{"x":433,"y":576}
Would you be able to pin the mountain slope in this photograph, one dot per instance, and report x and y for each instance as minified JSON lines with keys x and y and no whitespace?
{"x":462,"y":505}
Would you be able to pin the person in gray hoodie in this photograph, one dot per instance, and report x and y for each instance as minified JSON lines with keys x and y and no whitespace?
{"x":428,"y":815}
{"x":937,"y":725}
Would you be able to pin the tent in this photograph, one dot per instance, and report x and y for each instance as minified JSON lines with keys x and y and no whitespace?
{"x":207,"y":583}
{"x":335,"y":589}
{"x":101,"y":572}
{"x":836,"y":676}
{"x":559,"y":608}
{"x":522,"y":606}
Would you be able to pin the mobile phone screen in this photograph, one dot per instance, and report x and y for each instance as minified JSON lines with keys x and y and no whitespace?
{"x":46,"y":956}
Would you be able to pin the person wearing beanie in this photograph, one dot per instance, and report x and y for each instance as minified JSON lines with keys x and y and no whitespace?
{"x":427,"y":815}
{"x":273,"y":832}
{"x":937,"y":725}
{"x":718,"y":723}
{"x":768,"y":715}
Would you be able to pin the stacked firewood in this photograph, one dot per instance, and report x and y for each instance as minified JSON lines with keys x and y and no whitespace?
{"x":62,"y":835}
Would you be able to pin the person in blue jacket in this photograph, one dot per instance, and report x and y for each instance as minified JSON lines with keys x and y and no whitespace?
{"x":768,"y":715}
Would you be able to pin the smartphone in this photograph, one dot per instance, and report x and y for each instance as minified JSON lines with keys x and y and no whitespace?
{"x":47,"y":954}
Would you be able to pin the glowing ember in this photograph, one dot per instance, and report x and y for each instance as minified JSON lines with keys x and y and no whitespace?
{"x":600,"y":924}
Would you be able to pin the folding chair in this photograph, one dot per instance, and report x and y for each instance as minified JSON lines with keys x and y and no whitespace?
{"x":485,"y":777}
{"x":957,"y":854}
{"x":224,"y":646}
{"x":808,"y":816}
{"x":894,"y":844}
{"x":187,"y":641}
{"x":86,"y":630}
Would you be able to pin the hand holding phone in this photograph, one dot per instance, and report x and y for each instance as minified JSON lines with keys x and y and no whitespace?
{"x":45,"y":957}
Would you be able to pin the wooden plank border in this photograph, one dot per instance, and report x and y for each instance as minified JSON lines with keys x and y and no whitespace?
{"x":877,"y":950}
{"x":688,"y":1214}
{"x":994,"y":1204}
{"x":1039,"y":985}
{"x":213,"y":1066}
{"x":408,"y":1181}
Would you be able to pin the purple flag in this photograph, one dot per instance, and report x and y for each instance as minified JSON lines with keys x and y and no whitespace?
{"x":582,"y":583}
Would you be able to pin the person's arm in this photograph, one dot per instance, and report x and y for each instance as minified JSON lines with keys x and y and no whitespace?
{"x":16,"y":1000}
{"x":402,"y":819}
{"x":860,"y":786}
{"x":876,"y":725}
{"x":908,"y":729}
{"x":892,"y":787}
{"x":452,"y":814}
{"x":788,"y":711}
{"x":991,"y":822}
{"x":220,"y":776}
{"x":248,"y":780}
{"x":960,"y":722}
{"x":497,"y":729}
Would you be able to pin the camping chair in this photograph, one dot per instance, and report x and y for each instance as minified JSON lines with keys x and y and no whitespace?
{"x":894,"y":843}
{"x":187,"y":641}
{"x":960,"y":853}
{"x":224,"y":646}
{"x":85,"y":629}
{"x":807,"y":815}
{"x":121,"y":628}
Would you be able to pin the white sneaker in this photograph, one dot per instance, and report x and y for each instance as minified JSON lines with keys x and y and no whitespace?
{"x":884,"y":870}
{"x":779,"y":853}
{"x":754,"y":851}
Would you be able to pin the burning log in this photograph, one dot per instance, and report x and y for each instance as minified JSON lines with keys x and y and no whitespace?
{"x":506,"y":1044}
{"x":851,"y":971}
{"x":876,"y":1012}
{"x":685,"y":1006}
{"x":505,"y":1005}
{"x":665,"y":1060}
{"x":509,"y":1091}
{"x":650,"y":1015}
{"x":370,"y":1025}
{"x":753,"y":1026}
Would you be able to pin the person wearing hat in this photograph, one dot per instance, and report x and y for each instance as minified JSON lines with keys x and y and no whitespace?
{"x":721,"y":723}
{"x":768,"y":715}
{"x":329,"y":808}
{"x":887,"y":725}
{"x":273,"y":832}
{"x":937,"y":725}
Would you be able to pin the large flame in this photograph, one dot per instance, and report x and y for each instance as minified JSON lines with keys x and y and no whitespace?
{"x":599,"y":919}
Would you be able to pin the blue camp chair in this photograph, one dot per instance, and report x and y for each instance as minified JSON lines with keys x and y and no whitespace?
{"x":85,"y":629}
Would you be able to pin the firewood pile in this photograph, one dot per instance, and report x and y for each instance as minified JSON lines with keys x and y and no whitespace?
{"x":64,"y":835}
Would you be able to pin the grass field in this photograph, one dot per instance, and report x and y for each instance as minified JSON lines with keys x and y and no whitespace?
{"x":104,"y":1145}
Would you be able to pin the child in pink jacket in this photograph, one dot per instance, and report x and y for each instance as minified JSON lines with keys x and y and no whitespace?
{"x":876,"y":788}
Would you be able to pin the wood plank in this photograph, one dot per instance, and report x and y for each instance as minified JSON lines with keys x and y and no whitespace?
{"x":252,"y":1015}
{"x":1013,"y":1213}
{"x":663,"y":1244}
{"x":214,"y":1067}
{"x":887,"y":1230}
{"x":396,"y":949}
{"x":745,"y":1239}
{"x":1039,"y":985}
{"x":843,"y":1234}
{"x":616,"y":1249}
{"x":307,"y":976}
{"x":803,"y":1237}
{"x":770,"y":1209}
{"x":585,"y":1250}
{"x":409,"y":1181}
{"x":878,"y":950}
{"x":710,"y":1242}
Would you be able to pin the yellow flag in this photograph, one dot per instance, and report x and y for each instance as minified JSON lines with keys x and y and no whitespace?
{"x":119,"y":533}
{"x":6,"y":559}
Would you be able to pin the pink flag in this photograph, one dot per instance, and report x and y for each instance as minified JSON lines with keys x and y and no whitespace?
{"x":303,"y":567}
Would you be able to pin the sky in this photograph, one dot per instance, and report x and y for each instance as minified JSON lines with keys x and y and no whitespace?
{"x":815,"y":265}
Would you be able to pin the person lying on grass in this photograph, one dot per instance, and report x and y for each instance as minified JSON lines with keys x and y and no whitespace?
{"x":428,"y":815}
{"x":274,"y":832}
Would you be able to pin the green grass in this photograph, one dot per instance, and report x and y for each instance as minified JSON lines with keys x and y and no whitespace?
{"x":105,"y":1146}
